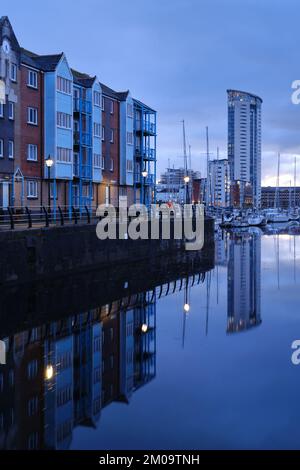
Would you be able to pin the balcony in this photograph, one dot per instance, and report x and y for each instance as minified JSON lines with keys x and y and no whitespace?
{"x":84,"y":139}
{"x":148,"y":181}
{"x":147,"y":154}
{"x":148,"y":128}
{"x":83,"y":171}
{"x":82,"y":106}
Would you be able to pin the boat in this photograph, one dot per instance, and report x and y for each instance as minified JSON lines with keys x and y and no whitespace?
{"x":256,"y":220}
{"x":294,"y":216}
{"x":277,"y":217}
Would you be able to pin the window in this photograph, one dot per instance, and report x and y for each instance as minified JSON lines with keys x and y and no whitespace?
{"x":32,"y":406}
{"x":1,"y":148}
{"x":32,"y":188}
{"x":103,"y":103}
{"x":32,"y":80}
{"x":64,"y":395}
{"x":97,"y":129}
{"x":11,"y":149}
{"x":97,"y":98}
{"x":129,"y":138}
{"x":32,"y":116}
{"x":102,"y":163}
{"x":32,"y":152}
{"x":129,"y":166}
{"x":129,"y":110}
{"x":1,"y":109}
{"x":111,"y":136}
{"x":97,"y":160}
{"x":11,"y":110}
{"x":64,"y":155}
{"x":32,"y":369}
{"x":111,"y":165}
{"x":13,"y":72}
{"x":103,"y":133}
{"x":111,"y":107}
{"x":64,"y":85}
{"x":64,"y":120}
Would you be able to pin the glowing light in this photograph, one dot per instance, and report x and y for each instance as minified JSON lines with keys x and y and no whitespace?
{"x":186,"y":179}
{"x":145,"y":174}
{"x":49,"y":372}
{"x":144,"y":328}
{"x":186,"y":308}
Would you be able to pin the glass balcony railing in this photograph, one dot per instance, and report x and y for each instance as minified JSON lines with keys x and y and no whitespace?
{"x":146,"y":126}
{"x":82,"y":171}
{"x":84,"y":138}
{"x":146,"y":154}
{"x":82,"y":106}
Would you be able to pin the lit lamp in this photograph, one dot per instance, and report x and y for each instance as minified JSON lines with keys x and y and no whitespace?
{"x":186,"y":179}
{"x":144,"y":175}
{"x":186,"y":308}
{"x":49,"y":163}
{"x":144,"y":328}
{"x":49,"y":372}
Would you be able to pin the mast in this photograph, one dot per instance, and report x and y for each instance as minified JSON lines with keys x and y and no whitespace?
{"x":207,"y":170}
{"x":185,"y":161}
{"x":190,"y":172}
{"x":276,"y":200}
{"x":295,"y":181}
{"x":169,"y":176}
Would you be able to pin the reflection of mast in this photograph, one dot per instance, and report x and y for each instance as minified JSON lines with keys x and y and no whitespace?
{"x":278,"y":262}
{"x":207,"y":170}
{"x":276,"y":200}
{"x":186,"y":308}
{"x":295,"y":181}
{"x":208,"y":283}
{"x":295,"y":258}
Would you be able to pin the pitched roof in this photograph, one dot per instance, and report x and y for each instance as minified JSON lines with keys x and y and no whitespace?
{"x":83,"y":79}
{"x":47,"y":63}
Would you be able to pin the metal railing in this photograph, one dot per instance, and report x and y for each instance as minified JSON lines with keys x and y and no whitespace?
{"x":41,"y":216}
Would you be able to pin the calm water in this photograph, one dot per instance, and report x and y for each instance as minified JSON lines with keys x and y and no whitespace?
{"x":150,"y":376}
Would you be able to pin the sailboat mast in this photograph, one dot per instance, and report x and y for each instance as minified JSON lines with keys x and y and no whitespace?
{"x":276,"y":200}
{"x":207,"y":169}
{"x":295,"y":181}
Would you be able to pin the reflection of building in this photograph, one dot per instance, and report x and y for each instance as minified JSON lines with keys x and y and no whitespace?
{"x":244,"y":282}
{"x":221,"y":248}
{"x":244,"y":147}
{"x":59,"y":376}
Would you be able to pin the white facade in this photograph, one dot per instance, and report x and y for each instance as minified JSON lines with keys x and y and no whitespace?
{"x":244,"y":142}
{"x":219,"y":182}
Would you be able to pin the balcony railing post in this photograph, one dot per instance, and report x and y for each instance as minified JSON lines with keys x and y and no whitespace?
{"x":11,"y":217}
{"x":29,"y":217}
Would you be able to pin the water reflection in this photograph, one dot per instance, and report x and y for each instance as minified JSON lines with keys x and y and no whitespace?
{"x":61,"y":373}
{"x":244,"y":281}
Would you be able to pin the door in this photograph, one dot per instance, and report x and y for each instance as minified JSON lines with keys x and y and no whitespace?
{"x":5,"y":195}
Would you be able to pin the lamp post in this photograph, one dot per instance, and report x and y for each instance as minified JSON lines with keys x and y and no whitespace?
{"x":187,"y":196}
{"x":49,"y":163}
{"x":144,"y":175}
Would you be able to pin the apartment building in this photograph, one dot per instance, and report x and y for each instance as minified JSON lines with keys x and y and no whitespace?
{"x":66,"y":139}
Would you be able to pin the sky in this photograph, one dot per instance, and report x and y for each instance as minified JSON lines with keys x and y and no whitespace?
{"x":180,"y":57}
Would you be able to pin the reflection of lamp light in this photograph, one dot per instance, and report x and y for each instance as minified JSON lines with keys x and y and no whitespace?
{"x":49,"y":372}
{"x":186,"y":179}
{"x":144,"y":174}
{"x":186,"y":308}
{"x":144,"y":328}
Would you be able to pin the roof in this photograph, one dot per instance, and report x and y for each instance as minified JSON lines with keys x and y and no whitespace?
{"x":143,"y":105}
{"x":48,"y":63}
{"x":83,"y":78}
{"x":245,"y":93}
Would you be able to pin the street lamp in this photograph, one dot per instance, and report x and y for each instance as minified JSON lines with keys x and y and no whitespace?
{"x":49,"y":163}
{"x":186,"y":179}
{"x":49,"y":372}
{"x":144,"y":328}
{"x":186,"y":308}
{"x":144,"y":175}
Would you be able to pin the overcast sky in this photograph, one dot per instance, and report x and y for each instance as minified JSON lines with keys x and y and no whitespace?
{"x":180,"y":56}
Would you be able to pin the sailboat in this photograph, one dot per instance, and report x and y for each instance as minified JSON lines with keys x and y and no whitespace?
{"x":277,"y":216}
{"x":294,"y":214}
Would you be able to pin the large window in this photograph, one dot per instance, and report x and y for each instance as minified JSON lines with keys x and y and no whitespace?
{"x":129,"y":166}
{"x":11,"y":110}
{"x":97,"y":160}
{"x":32,"y":152}
{"x":111,"y":107}
{"x":32,"y":116}
{"x":64,"y":155}
{"x":1,"y":148}
{"x":64,"y":120}
{"x":97,"y":98}
{"x":1,"y":109}
{"x":129,"y":110}
{"x":102,"y":163}
{"x":103,"y":133}
{"x":32,"y":79}
{"x":130,"y":138}
{"x":11,"y":151}
{"x":32,"y":190}
{"x":111,"y":136}
{"x":64,"y":85}
{"x":111,"y":165}
{"x":97,"y":129}
{"x":13,"y":72}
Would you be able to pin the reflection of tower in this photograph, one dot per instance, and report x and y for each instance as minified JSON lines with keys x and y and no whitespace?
{"x":244,"y":282}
